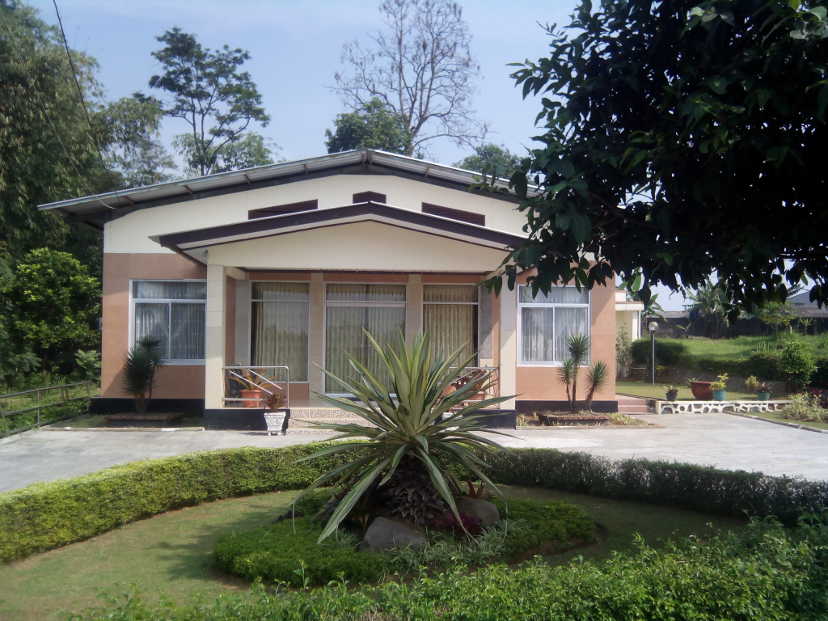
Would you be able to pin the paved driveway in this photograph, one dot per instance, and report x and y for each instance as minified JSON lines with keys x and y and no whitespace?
{"x":710,"y":439}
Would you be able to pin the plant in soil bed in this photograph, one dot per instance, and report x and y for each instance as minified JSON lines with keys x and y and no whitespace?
{"x":419,"y":428}
{"x":143,"y":359}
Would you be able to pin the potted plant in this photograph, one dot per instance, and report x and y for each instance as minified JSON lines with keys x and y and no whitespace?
{"x":701,"y":390}
{"x":671,"y":392}
{"x":274,"y":414}
{"x":754,"y":384}
{"x":719,"y":387}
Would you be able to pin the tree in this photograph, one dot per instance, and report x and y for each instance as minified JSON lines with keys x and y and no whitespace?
{"x":207,"y":89}
{"x":421,"y":68}
{"x":48,"y":147}
{"x":681,"y":138}
{"x":248,"y":151}
{"x":710,"y":305}
{"x":491,"y":159}
{"x":374,"y":126}
{"x":134,"y":149}
{"x":52,"y":305}
{"x":777,"y":315}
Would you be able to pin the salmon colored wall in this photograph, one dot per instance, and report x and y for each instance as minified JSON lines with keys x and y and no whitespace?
{"x":172,"y":382}
{"x":543,"y":383}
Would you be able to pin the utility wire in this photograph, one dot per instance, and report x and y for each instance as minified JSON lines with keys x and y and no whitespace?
{"x":78,"y":85}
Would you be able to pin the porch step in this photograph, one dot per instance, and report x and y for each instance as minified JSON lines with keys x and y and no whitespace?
{"x":301,"y":418}
{"x":634,"y":405}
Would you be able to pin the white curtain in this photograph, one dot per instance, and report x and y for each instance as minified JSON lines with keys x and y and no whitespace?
{"x":351,"y":310}
{"x":153,"y":320}
{"x":171,"y":311}
{"x":537,"y":328}
{"x":569,"y":321}
{"x":450,"y":319}
{"x":186,"y":331}
{"x":280,"y":327}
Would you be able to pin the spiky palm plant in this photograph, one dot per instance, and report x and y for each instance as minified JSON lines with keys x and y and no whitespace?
{"x":139,"y":372}
{"x":567,"y":372}
{"x":417,"y":426}
{"x":597,"y":376}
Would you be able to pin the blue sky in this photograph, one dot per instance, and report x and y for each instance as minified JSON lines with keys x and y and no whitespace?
{"x":296,"y":48}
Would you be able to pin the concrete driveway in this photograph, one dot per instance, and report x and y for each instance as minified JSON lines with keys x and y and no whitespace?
{"x":718,"y":440}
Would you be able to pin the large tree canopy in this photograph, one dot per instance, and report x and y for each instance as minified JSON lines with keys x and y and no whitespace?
{"x":682,"y":138}
{"x":492,"y":160}
{"x":374,"y":126}
{"x":207,"y":90}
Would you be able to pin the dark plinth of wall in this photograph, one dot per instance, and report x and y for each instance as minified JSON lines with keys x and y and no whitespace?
{"x":527,"y":407}
{"x":116,"y":405}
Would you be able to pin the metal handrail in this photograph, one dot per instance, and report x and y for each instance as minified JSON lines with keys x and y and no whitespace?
{"x":491,"y":388}
{"x":39,"y":406}
{"x":280,"y":385}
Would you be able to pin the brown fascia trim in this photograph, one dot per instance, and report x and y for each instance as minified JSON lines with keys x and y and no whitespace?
{"x":455,"y":214}
{"x":279,"y":210}
{"x":351,"y":169}
{"x":321,"y":216}
{"x":369,"y":197}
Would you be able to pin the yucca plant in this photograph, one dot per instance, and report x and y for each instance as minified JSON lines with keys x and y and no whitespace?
{"x":418,"y":428}
{"x":139,"y":372}
{"x":597,"y":375}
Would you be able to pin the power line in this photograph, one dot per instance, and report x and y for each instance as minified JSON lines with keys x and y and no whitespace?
{"x":78,"y":85}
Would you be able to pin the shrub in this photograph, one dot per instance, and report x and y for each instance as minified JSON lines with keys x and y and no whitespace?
{"x":668,"y":353}
{"x":820,"y":376}
{"x":797,"y":364}
{"x":47,"y":515}
{"x":763,"y":364}
{"x":766,"y":574}
{"x":805,"y":407}
{"x":288,"y":552}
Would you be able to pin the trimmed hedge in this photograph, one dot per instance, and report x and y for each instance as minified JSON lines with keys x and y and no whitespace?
{"x":669,"y":353}
{"x":690,"y":486}
{"x":49,"y":515}
{"x":767,"y":574}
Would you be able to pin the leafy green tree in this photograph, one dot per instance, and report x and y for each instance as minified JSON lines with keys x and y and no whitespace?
{"x":374,"y":126}
{"x":421,"y":68}
{"x":491,"y":159}
{"x":250,"y":150}
{"x":134,"y":149}
{"x":51,"y":309}
{"x":681,"y":138}
{"x":710,"y":307}
{"x":777,"y":315}
{"x":207,"y":90}
{"x":48,"y":148}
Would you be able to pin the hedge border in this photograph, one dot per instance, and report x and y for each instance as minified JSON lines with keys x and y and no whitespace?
{"x":48,"y":515}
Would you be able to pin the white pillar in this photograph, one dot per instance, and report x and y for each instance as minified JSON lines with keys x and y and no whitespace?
{"x":316,"y":334}
{"x":508,"y":345}
{"x":243,"y":310}
{"x":214,"y":338}
{"x":413,"y":307}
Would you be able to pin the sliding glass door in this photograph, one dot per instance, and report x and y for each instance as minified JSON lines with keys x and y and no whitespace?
{"x":280,"y":327}
{"x":351,"y":310}
{"x":450,"y":319}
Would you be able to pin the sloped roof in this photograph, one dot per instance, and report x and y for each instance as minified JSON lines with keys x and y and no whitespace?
{"x":98,"y":208}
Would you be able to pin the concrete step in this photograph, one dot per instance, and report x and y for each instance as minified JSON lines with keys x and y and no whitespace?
{"x":634,"y":405}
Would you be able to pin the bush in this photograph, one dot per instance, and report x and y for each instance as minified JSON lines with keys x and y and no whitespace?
{"x":765,"y":365}
{"x":724,"y":492}
{"x":287,"y":551}
{"x":820,"y":376}
{"x":766,"y":574}
{"x":668,"y":353}
{"x":805,"y":407}
{"x":797,"y":364}
{"x":47,"y":515}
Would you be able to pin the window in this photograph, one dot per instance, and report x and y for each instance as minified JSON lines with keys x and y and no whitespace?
{"x":280,"y":327}
{"x":450,"y":318}
{"x":546,"y":321}
{"x":351,"y":310}
{"x":171,"y":311}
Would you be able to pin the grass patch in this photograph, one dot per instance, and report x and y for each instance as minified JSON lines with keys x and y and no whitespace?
{"x":777,"y":416}
{"x":646,"y":390}
{"x":741,"y":347}
{"x":171,"y":554}
{"x":92,"y":421}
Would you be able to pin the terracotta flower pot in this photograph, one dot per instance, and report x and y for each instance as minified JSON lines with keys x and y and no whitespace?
{"x":252,"y":397}
{"x":703,"y":391}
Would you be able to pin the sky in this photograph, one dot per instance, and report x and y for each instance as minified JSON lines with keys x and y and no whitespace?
{"x":295,"y":49}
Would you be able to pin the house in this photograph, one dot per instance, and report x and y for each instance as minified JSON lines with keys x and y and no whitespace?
{"x":286,"y":265}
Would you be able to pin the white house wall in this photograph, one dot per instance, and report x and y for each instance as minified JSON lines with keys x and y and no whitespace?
{"x":131,"y":233}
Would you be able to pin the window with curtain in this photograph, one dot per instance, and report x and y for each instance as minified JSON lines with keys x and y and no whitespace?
{"x":547,"y":321}
{"x":350,"y":311}
{"x":280,"y":327}
{"x":173,"y":312}
{"x":450,"y":318}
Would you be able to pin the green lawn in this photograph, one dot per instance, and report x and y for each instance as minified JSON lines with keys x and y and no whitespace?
{"x":170,"y":554}
{"x":657,"y":390}
{"x":742,"y":347}
{"x":778,"y":417}
{"x":99,"y":420}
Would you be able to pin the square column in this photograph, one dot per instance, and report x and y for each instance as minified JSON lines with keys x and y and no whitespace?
{"x":215,"y":332}
{"x":508,"y":345}
{"x":316,"y":334}
{"x":413,"y":307}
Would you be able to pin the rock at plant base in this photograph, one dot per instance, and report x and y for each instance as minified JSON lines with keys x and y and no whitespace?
{"x":384,"y":534}
{"x":483,"y":511}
